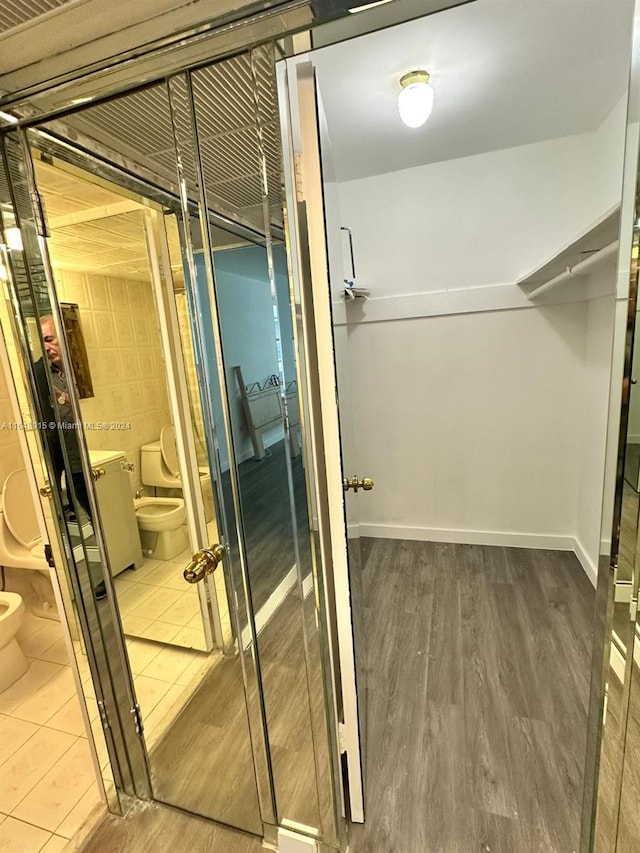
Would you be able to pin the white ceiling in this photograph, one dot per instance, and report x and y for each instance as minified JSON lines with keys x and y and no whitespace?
{"x":505,"y":73}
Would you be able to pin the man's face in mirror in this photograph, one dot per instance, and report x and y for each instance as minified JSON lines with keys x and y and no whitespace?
{"x":51,"y":345}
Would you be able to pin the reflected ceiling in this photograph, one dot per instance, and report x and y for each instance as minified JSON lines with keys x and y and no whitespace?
{"x":13,"y":13}
{"x":139,"y":127}
{"x":97,"y":230}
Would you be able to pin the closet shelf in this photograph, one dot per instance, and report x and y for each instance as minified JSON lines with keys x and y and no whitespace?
{"x":590,"y":248}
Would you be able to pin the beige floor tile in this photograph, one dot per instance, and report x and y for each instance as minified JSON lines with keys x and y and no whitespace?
{"x":20,"y":837}
{"x":141,"y":654}
{"x":55,"y":844}
{"x":88,"y":690}
{"x":161,"y":632}
{"x":56,"y":653}
{"x":26,"y":767}
{"x":190,"y":638}
{"x":134,"y":625}
{"x":170,"y":576}
{"x":35,"y":639}
{"x":169,"y":664}
{"x":59,"y":790}
{"x":149,"y":692}
{"x":35,"y":677}
{"x":13,"y":733}
{"x":133,"y":597}
{"x":156,"y":603}
{"x":69,"y":718}
{"x":89,"y":810}
{"x":83,"y":665}
{"x":148,"y":568}
{"x":181,"y":609}
{"x":48,"y":699}
{"x":195,"y":622}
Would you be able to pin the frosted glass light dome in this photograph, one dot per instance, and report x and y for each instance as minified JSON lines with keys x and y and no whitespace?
{"x":415,"y":101}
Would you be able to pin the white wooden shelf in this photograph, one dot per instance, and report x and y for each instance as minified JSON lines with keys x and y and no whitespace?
{"x":592,"y":247}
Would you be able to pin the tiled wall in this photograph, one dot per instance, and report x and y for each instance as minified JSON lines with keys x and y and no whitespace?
{"x":10,"y":448}
{"x":119,"y":325}
{"x":192,"y":378}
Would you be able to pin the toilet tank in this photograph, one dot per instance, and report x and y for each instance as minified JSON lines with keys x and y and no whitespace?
{"x":113,"y":492}
{"x":153,"y":471}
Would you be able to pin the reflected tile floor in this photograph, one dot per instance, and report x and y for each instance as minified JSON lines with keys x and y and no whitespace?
{"x":156,"y":603}
{"x":48,"y":788}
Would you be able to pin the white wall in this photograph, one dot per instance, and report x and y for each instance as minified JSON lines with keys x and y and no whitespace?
{"x":594,"y":414}
{"x":480,"y":417}
{"x":471,"y":222}
{"x":468,"y":425}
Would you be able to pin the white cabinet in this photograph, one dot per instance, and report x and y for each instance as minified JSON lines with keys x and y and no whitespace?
{"x":116,"y":510}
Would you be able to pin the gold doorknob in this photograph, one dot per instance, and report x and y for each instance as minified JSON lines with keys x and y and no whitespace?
{"x":366,"y":483}
{"x":45,"y":490}
{"x":97,"y":473}
{"x":203,"y":563}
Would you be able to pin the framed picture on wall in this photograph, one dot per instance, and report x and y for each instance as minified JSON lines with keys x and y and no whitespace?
{"x":77,"y":349}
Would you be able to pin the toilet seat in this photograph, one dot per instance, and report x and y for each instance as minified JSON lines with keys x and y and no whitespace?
{"x":19,"y":510}
{"x":159,"y":513}
{"x":169,"y":449}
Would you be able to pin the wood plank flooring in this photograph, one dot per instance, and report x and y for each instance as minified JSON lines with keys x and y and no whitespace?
{"x":266,"y":514}
{"x":161,"y":829}
{"x":477,"y":676}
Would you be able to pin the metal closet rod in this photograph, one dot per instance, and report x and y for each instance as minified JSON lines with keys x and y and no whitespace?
{"x":576,"y":270}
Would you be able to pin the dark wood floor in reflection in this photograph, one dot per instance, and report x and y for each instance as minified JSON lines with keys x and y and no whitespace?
{"x":203,"y":763}
{"x":266,"y":511}
{"x":478,"y":666}
{"x":214,"y":724}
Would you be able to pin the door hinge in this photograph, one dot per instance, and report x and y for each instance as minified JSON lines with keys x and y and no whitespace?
{"x":633,"y":607}
{"x":137,"y":719}
{"x":48,"y":555}
{"x":297,"y":169}
{"x":42,"y":226}
{"x":104,"y":718}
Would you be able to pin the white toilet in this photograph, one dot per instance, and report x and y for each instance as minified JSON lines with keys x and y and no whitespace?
{"x":160,"y":468}
{"x":161,"y":524}
{"x":13,"y":663}
{"x":21,"y":545}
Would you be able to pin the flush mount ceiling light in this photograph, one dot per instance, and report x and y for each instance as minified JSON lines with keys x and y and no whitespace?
{"x":415,"y":100}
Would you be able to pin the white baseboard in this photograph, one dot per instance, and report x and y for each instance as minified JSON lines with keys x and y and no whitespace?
{"x":590,"y":568}
{"x":553,"y":542}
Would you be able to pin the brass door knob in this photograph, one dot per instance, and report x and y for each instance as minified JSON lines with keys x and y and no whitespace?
{"x":97,"y":473}
{"x":366,"y":483}
{"x":203,"y":563}
{"x":45,"y":490}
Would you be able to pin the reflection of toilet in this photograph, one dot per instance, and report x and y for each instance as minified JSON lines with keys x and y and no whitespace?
{"x":160,"y":521}
{"x":13,"y":663}
{"x":160,"y":468}
{"x":21,"y":545}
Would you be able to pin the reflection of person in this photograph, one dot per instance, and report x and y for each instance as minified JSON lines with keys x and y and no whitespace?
{"x":58,"y":414}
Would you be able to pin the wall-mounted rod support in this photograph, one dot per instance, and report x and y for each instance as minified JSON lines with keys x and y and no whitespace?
{"x":576,"y":270}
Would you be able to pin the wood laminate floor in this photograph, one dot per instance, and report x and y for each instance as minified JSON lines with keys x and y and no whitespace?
{"x":477,"y":674}
{"x":266,"y":513}
{"x":154,"y":828}
{"x":213,"y":723}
